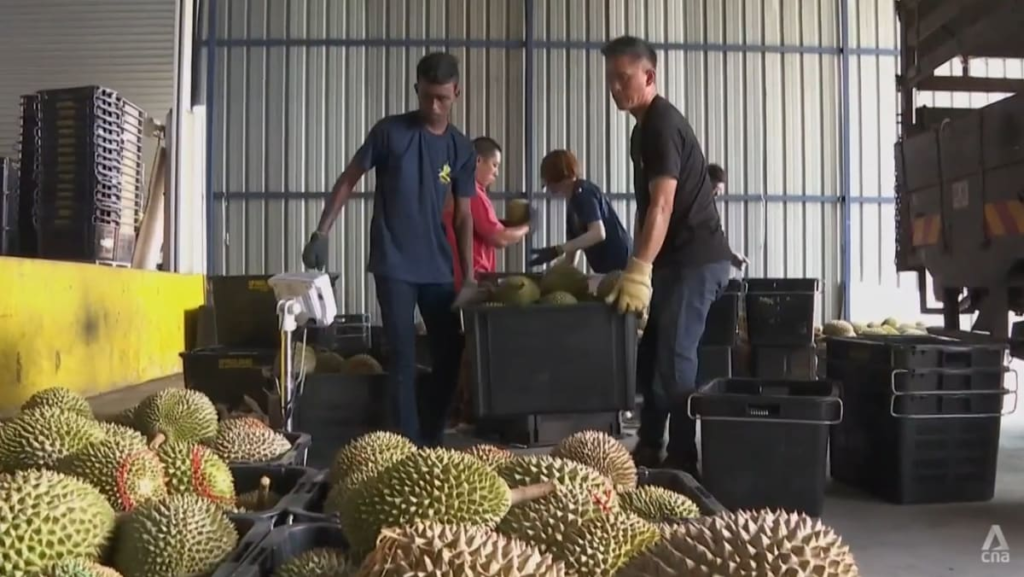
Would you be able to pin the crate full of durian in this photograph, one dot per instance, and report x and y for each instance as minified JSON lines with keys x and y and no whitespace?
{"x":548,"y":344}
{"x":584,"y":510}
{"x":155,"y":472}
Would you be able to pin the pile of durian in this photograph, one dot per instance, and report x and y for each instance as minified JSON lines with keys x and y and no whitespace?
{"x":158,"y":474}
{"x":308,"y":360}
{"x":559,"y":285}
{"x":888,"y":327}
{"x":486,"y":512}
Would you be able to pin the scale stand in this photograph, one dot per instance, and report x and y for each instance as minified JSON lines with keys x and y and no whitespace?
{"x":301,"y":298}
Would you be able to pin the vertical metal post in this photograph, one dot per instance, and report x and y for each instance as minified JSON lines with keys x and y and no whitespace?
{"x":211,"y":62}
{"x":528,"y":113}
{"x":846,"y":206}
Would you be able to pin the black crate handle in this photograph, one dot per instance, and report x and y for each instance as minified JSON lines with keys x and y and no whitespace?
{"x":1002,"y":391}
{"x":756,"y":412}
{"x":941,"y":371}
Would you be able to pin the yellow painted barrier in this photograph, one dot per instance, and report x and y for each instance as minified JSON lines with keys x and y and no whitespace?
{"x":90,"y":328}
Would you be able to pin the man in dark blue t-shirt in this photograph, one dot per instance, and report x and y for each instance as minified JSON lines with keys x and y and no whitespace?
{"x":592,"y":224}
{"x":419,"y":158}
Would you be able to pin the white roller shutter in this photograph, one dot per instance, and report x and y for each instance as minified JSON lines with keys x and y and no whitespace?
{"x":126,"y":45}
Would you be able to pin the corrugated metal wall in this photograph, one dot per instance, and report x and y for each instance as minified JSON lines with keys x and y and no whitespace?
{"x":297,"y":84}
{"x":126,"y":45}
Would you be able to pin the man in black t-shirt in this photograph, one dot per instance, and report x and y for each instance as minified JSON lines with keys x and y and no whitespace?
{"x":681,"y":258}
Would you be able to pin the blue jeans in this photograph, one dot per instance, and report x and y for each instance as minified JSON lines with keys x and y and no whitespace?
{"x":423,"y":421}
{"x":667,"y":354}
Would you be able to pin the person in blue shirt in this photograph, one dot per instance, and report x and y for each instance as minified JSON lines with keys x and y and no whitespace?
{"x":591,"y":223}
{"x":420,"y":158}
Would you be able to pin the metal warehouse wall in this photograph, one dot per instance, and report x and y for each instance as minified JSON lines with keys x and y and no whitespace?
{"x":126,"y":45}
{"x":796,"y":98}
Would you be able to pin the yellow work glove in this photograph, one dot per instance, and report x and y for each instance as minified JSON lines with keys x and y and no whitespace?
{"x":632,"y":293}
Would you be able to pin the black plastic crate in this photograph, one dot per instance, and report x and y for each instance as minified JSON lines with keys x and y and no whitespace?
{"x":285,"y":543}
{"x":684,"y":484}
{"x":784,"y":362}
{"x":546,"y":429}
{"x":764,"y":443}
{"x":292,"y":483}
{"x":95,"y":239}
{"x":245,"y":310}
{"x":227,"y":375}
{"x":336,"y":408}
{"x":720,"y":328}
{"x":551,"y":359}
{"x":713,"y":362}
{"x":670,"y":479}
{"x":780,"y":311}
{"x":920,"y":436}
{"x":347,"y":335}
{"x":916,"y":352}
{"x":251,"y":532}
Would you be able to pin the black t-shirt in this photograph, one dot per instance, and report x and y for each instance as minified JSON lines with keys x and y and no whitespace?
{"x":663,"y":144}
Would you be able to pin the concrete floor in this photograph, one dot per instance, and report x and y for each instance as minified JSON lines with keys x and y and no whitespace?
{"x":888,"y":540}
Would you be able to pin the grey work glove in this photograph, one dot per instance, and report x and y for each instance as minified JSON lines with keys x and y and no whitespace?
{"x":468,"y":295}
{"x":314,"y":256}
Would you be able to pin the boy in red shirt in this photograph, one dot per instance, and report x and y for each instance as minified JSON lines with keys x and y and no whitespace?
{"x":488,"y":232}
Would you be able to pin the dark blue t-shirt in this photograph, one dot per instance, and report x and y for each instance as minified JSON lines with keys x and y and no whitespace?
{"x":415,"y":170}
{"x":588,"y":205}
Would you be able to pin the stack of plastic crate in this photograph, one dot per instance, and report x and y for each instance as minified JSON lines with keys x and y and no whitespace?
{"x":89,"y":174}
{"x":24,"y":200}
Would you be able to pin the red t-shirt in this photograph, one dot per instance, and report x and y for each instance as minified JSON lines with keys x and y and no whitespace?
{"x":485,"y":226}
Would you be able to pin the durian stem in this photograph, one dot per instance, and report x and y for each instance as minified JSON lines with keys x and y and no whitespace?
{"x":532,"y":492}
{"x":264,"y":493}
{"x":157,"y":441}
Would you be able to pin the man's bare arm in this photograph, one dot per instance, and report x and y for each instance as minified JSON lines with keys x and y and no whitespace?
{"x":652,"y":232}
{"x":464,"y":236}
{"x":340,"y":194}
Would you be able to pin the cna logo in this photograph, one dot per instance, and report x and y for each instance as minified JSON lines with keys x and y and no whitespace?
{"x":995,"y":549}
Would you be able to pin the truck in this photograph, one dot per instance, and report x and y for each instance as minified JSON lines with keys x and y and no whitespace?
{"x":960,"y":172}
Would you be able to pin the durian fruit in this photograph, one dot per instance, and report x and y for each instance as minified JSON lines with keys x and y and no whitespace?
{"x":374,"y":450}
{"x":890,"y":330}
{"x":558,"y":298}
{"x":872,"y":331}
{"x":427,"y":485}
{"x":872,"y":325}
{"x":657,"y":504}
{"x":748,"y":543}
{"x":178,"y":414}
{"x":891,"y":322}
{"x":124,"y":469}
{"x":259,"y":499}
{"x":180,"y":535}
{"x":607,"y":283}
{"x":601,"y":545}
{"x":601,"y":452}
{"x":329,"y":362}
{"x":59,"y":398}
{"x":517,"y":212}
{"x":46,"y":517}
{"x":247,"y":423}
{"x":41,"y":437}
{"x":194,"y":469}
{"x":517,"y":290}
{"x":858,"y":328}
{"x":428,"y":548}
{"x":523,"y":470}
{"x":921,"y":325}
{"x":362,"y":364}
{"x":77,"y":568}
{"x":250,"y":445}
{"x":118,"y":430}
{"x":489,"y":454}
{"x":838,"y":328}
{"x":565,"y":277}
{"x":545,"y":521}
{"x":318,"y":562}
